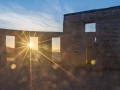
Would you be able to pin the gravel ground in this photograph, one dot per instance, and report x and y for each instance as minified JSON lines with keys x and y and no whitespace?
{"x":47,"y":76}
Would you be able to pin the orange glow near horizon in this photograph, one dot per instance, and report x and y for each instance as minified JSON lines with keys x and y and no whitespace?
{"x":56,"y":44}
{"x":10,"y":41}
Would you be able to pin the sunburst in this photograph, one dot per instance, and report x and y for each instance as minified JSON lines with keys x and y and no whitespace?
{"x":26,"y":49}
{"x":30,"y":45}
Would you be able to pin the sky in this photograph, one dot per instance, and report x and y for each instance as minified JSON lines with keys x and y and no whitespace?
{"x":56,"y":44}
{"x":44,"y":15}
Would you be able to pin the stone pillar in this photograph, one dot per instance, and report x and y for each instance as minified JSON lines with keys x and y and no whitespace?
{"x":2,"y":49}
{"x":22,"y":49}
{"x":45,"y":47}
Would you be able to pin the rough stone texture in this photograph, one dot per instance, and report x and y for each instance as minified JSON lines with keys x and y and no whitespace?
{"x":75,"y":71}
{"x":106,"y":48}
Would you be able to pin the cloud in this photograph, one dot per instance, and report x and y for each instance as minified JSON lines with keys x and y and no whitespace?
{"x":14,"y":16}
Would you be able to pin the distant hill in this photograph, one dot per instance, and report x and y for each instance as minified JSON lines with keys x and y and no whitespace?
{"x":57,"y":50}
{"x":10,"y":49}
{"x":10,"y":52}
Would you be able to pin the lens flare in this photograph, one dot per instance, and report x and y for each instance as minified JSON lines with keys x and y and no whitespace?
{"x":13,"y":66}
{"x":93,"y":62}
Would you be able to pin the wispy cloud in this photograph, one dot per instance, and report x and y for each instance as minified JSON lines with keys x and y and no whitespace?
{"x":14,"y":16}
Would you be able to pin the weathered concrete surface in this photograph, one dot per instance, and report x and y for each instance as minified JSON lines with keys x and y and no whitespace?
{"x":78,"y":48}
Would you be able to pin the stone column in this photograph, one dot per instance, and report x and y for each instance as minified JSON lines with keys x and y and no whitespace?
{"x":2,"y":49}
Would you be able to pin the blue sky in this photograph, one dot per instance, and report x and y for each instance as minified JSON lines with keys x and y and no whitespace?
{"x":44,"y":15}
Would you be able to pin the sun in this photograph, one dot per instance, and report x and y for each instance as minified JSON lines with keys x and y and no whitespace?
{"x":30,"y":45}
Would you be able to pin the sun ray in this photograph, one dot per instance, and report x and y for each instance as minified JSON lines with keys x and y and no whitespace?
{"x":21,"y":42}
{"x":34,"y":53}
{"x":23,"y":58}
{"x":41,"y":35}
{"x":20,"y":65}
{"x":34,"y":34}
{"x":41,"y":66}
{"x":60,"y":67}
{"x":30,"y":71}
{"x":38,"y":61}
{"x":20,"y":52}
{"x":26,"y":37}
{"x":45,"y":40}
{"x":20,"y":47}
{"x":25,"y":43}
{"x":20,"y":37}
